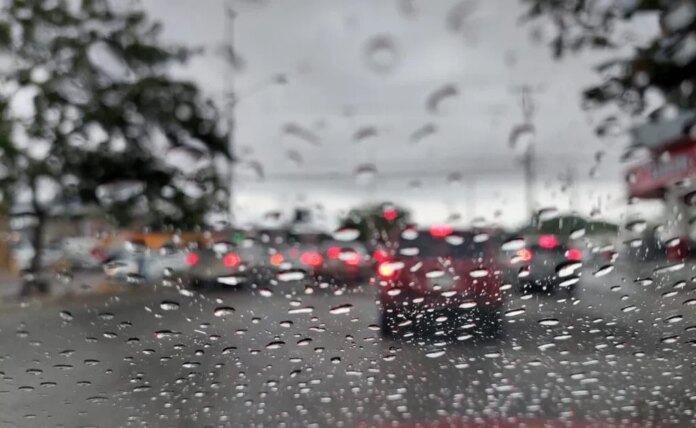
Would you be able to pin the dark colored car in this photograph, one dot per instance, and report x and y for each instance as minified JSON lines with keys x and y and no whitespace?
{"x":548,"y":265}
{"x":225,"y":264}
{"x":298,"y":257}
{"x":437,"y":276}
{"x":347,"y":262}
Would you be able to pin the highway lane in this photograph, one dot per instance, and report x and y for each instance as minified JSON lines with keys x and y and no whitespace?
{"x":280,"y":357}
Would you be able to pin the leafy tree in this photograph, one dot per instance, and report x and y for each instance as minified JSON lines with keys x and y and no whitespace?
{"x":90,"y":114}
{"x":667,"y":62}
{"x":376,"y":222}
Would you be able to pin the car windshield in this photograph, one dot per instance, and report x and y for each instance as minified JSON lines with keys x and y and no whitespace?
{"x":348,"y":213}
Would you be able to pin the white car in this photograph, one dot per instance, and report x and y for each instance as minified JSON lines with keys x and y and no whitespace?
{"x":148,"y":264}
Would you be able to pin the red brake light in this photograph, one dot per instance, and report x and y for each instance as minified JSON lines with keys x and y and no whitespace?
{"x":276,"y":259}
{"x":192,"y":259}
{"x":231,"y":260}
{"x":573,"y":254}
{"x":523,"y":255}
{"x":380,"y":256}
{"x":390,"y":214}
{"x":386,"y":270}
{"x":333,"y":252}
{"x":311,"y":259}
{"x":440,"y":230}
{"x":547,"y":241}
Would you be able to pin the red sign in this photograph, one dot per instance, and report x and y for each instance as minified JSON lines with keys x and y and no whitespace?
{"x":649,"y":180}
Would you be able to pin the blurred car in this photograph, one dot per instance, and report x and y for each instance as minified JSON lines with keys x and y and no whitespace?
{"x":83,"y":252}
{"x":300,"y":256}
{"x":136,"y":261}
{"x":547,"y":264}
{"x":122,"y":268}
{"x":225,"y":264}
{"x":344,"y":261}
{"x":440,"y":275}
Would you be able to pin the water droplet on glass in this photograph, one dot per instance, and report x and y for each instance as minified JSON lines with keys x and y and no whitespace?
{"x":454,"y":179}
{"x":568,"y":268}
{"x":673,"y":319}
{"x":434,"y":274}
{"x":422,"y":133}
{"x":409,"y":251}
{"x":341,"y":309}
{"x":636,"y":225}
{"x":439,"y":96}
{"x":306,"y":310}
{"x":513,"y":244}
{"x":223,"y":311}
{"x":166,"y":334}
{"x":669,"y":339}
{"x":670,"y":268}
{"x":167,"y":305}
{"x":514,"y":312}
{"x":456,"y":239}
{"x":346,"y":234}
{"x":303,"y":134}
{"x":478,"y":273}
{"x":364,"y":133}
{"x":66,"y":316}
{"x":365,"y":174}
{"x":435,"y":354}
{"x":381,"y":54}
{"x":277,"y":344}
{"x":604,"y":270}
{"x":290,"y":275}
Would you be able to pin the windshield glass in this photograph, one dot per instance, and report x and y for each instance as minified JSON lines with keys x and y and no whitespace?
{"x":348,"y":213}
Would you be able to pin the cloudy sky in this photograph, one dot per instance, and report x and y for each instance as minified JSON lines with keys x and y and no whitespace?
{"x":405,"y":100}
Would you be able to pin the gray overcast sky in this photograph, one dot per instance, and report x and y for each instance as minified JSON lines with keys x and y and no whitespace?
{"x":332,"y":92}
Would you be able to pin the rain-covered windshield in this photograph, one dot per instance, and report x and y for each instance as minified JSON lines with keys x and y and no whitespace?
{"x":348,"y":213}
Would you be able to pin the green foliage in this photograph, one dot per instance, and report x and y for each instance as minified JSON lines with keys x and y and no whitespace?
{"x":108,"y":113}
{"x":664,"y":63}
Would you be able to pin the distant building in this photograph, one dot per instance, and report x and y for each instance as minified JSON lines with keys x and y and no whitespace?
{"x":64,"y":220}
{"x":669,"y":175}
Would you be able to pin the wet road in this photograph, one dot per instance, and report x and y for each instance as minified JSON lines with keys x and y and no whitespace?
{"x":620,"y":351}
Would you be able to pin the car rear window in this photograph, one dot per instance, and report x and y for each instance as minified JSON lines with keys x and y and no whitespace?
{"x":454,"y":245}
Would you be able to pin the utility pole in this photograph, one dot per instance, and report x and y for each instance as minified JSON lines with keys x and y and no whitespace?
{"x":527,"y":131}
{"x":230,"y":106}
{"x":471,"y":200}
{"x":568,"y":182}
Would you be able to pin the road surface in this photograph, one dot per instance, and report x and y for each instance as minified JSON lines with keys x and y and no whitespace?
{"x":621,"y":351}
